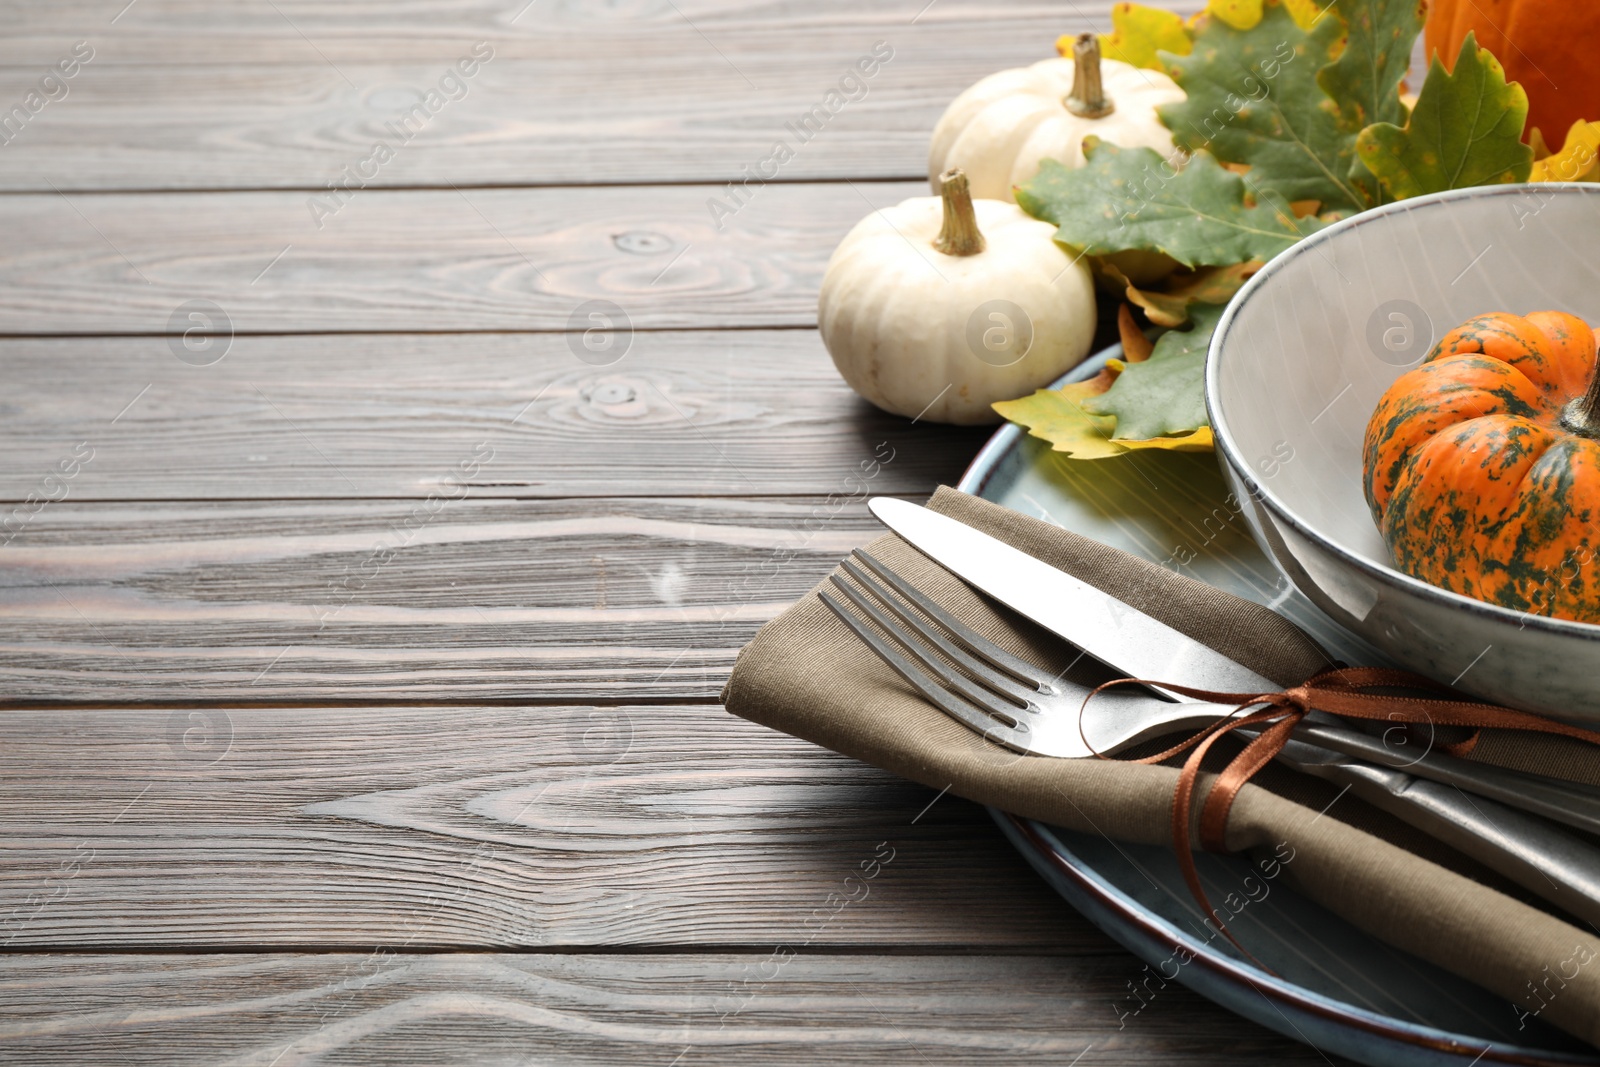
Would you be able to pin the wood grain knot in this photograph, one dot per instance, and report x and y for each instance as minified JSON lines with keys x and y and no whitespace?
{"x":643,"y":242}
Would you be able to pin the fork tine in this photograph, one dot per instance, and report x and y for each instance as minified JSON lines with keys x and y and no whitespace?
{"x":981,"y":646}
{"x":958,"y":709}
{"x":998,"y":706}
{"x":986,"y":675}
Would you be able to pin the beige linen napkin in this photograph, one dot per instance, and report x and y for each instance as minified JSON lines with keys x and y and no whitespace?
{"x":806,"y":674}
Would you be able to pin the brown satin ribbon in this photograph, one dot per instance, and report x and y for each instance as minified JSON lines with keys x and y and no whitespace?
{"x":1341,"y":691}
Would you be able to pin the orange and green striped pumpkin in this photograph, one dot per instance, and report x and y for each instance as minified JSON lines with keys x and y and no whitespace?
{"x":1482,"y":466}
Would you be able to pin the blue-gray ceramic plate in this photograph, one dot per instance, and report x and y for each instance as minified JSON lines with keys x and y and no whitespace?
{"x":1335,"y":988}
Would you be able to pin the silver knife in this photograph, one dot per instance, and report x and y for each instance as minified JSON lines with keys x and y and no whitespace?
{"x":1128,"y":640}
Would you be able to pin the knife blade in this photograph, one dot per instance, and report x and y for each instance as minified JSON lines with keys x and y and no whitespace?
{"x":1115,"y":633}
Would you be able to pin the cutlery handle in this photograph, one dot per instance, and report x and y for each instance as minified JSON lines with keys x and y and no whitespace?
{"x":1541,"y":858}
{"x":1570,"y":803}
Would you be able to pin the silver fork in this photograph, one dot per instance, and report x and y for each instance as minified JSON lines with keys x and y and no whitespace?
{"x":1017,"y":705}
{"x":1013,"y":703}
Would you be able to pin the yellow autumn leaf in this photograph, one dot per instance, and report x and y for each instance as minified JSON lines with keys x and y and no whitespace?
{"x":1578,"y":160}
{"x":1240,"y":14}
{"x":1167,"y":303}
{"x":1137,"y":34}
{"x":1304,"y":12}
{"x":1136,"y":347}
{"x":1200,"y":440}
{"x":1055,"y":415}
{"x":1246,"y":14}
{"x":1535,"y":141}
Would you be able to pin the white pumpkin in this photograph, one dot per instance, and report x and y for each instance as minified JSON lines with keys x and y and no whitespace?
{"x":940,"y":306}
{"x":1000,"y":129}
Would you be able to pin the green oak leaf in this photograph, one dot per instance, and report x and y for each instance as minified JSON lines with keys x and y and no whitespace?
{"x":1164,"y":394}
{"x":1254,"y":98}
{"x":1364,"y":82}
{"x":1130,"y":198}
{"x":1466,"y":130}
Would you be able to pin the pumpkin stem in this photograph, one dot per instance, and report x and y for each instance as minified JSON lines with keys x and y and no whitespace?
{"x":1582,"y":416}
{"x":1088,"y":99}
{"x":960,"y":235}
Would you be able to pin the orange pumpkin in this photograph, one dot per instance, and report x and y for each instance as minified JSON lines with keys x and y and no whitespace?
{"x":1547,"y":45}
{"x":1482,"y":466}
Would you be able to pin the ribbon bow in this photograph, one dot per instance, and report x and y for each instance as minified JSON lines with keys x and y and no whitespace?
{"x":1341,"y":691}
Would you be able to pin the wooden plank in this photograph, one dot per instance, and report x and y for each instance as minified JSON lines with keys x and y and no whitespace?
{"x":746,"y":412}
{"x":486,"y":826}
{"x":193,"y":30}
{"x":287,"y":94}
{"x":558,"y":601}
{"x":384,"y":1008}
{"x":475,"y":260}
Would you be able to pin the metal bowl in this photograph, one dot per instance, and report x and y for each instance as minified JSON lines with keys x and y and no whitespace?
{"x":1297,"y":366}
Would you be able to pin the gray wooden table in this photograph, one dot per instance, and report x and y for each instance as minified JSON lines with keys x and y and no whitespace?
{"x":363,"y":628}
